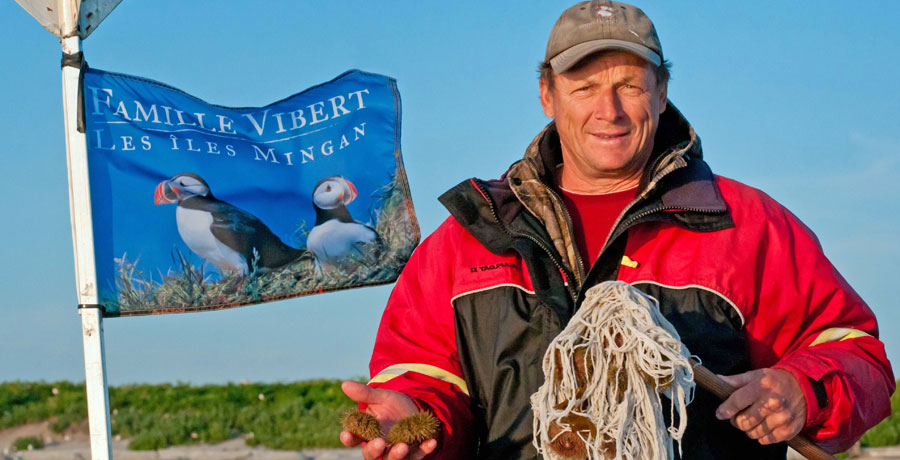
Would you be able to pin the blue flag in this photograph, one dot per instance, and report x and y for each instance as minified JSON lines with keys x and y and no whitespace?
{"x":199,"y":207}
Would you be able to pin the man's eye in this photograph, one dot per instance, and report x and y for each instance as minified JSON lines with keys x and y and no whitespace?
{"x":582,"y":89}
{"x":632,"y":90}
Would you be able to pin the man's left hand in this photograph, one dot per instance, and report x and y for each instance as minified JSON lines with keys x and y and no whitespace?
{"x":768,"y":405}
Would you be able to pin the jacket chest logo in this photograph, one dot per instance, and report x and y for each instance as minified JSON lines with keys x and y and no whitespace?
{"x":484,"y":268}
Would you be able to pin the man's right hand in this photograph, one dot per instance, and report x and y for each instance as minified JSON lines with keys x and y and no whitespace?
{"x":388,"y":407}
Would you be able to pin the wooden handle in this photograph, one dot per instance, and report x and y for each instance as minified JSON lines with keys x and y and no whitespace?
{"x":715,"y":385}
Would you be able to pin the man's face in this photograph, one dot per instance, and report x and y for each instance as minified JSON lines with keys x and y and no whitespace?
{"x":607,"y":111}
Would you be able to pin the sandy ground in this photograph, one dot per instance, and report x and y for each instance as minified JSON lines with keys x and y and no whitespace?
{"x":82,"y":451}
{"x":75,"y":445}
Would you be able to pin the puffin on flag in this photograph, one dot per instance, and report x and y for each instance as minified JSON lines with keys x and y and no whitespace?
{"x":337,"y":240}
{"x":219,"y":232}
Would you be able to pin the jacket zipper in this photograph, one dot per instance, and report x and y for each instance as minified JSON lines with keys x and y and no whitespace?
{"x":648,"y":212}
{"x":618,"y":225}
{"x":536,"y":241}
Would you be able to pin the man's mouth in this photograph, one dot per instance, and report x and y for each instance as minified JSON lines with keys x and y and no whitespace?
{"x":610,"y":135}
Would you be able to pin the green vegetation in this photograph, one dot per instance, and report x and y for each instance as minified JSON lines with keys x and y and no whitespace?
{"x":24,"y":402}
{"x":189,"y":287}
{"x":280,"y":416}
{"x":28,"y":443}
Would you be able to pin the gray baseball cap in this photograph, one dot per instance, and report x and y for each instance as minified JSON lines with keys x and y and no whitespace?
{"x":588,"y":27}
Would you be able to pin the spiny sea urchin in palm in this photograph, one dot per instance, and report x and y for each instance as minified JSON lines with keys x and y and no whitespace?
{"x":414,"y":429}
{"x":361,"y":424}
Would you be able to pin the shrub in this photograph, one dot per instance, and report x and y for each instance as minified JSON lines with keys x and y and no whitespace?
{"x":25,"y":402}
{"x":28,"y":443}
{"x":151,"y":439}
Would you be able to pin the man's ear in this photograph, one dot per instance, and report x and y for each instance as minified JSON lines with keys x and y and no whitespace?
{"x":663,"y":98}
{"x":546,"y":98}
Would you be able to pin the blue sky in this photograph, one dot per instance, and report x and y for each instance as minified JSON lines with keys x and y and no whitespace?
{"x":798,"y":99}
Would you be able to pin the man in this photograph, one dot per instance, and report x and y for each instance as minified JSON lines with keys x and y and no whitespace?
{"x":616,"y":188}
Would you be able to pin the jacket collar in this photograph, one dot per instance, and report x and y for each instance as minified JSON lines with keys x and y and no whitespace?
{"x":676,"y":148}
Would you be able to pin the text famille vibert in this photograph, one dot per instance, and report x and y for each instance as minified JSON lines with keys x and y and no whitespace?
{"x":264,"y":128}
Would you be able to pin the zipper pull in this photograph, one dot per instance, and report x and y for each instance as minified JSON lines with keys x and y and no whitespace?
{"x":565,"y":280}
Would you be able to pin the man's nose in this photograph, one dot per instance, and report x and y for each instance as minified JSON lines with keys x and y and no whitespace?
{"x":607,"y":105}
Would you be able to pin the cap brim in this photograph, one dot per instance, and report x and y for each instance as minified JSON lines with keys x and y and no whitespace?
{"x":568,"y":58}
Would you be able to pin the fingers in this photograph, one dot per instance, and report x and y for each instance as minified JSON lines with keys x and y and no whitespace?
{"x":768,"y":405}
{"x":745,"y":395}
{"x":762,"y":408}
{"x":348,"y":439}
{"x":386,"y":405}
{"x":360,"y":392}
{"x":761,"y":418}
{"x":780,"y":421}
{"x":738,"y":380}
{"x":777,"y":427}
{"x":403,"y":451}
{"x":425,"y":448}
{"x":398,"y":452}
{"x":785,"y":432}
{"x":376,"y":448}
{"x":373,"y":449}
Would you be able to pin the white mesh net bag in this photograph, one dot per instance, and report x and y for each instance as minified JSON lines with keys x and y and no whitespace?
{"x":604,"y":375}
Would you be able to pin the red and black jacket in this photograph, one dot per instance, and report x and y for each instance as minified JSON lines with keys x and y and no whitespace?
{"x":742,"y":279}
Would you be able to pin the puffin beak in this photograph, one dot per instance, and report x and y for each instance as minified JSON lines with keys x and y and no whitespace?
{"x":351,"y":192}
{"x":159,"y":197}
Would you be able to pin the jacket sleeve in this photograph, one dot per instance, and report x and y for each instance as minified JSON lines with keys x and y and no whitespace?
{"x":809,"y":321}
{"x":415,"y":348}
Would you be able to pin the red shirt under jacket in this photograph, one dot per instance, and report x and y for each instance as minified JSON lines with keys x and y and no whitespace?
{"x":597,"y":213}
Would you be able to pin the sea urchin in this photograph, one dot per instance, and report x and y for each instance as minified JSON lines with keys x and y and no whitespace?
{"x":414,"y":429}
{"x":361,"y":424}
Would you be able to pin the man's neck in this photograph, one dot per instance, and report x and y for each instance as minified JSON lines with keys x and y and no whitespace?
{"x":570,"y":180}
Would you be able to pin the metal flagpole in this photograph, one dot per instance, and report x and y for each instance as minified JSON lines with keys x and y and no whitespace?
{"x":83,"y":243}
